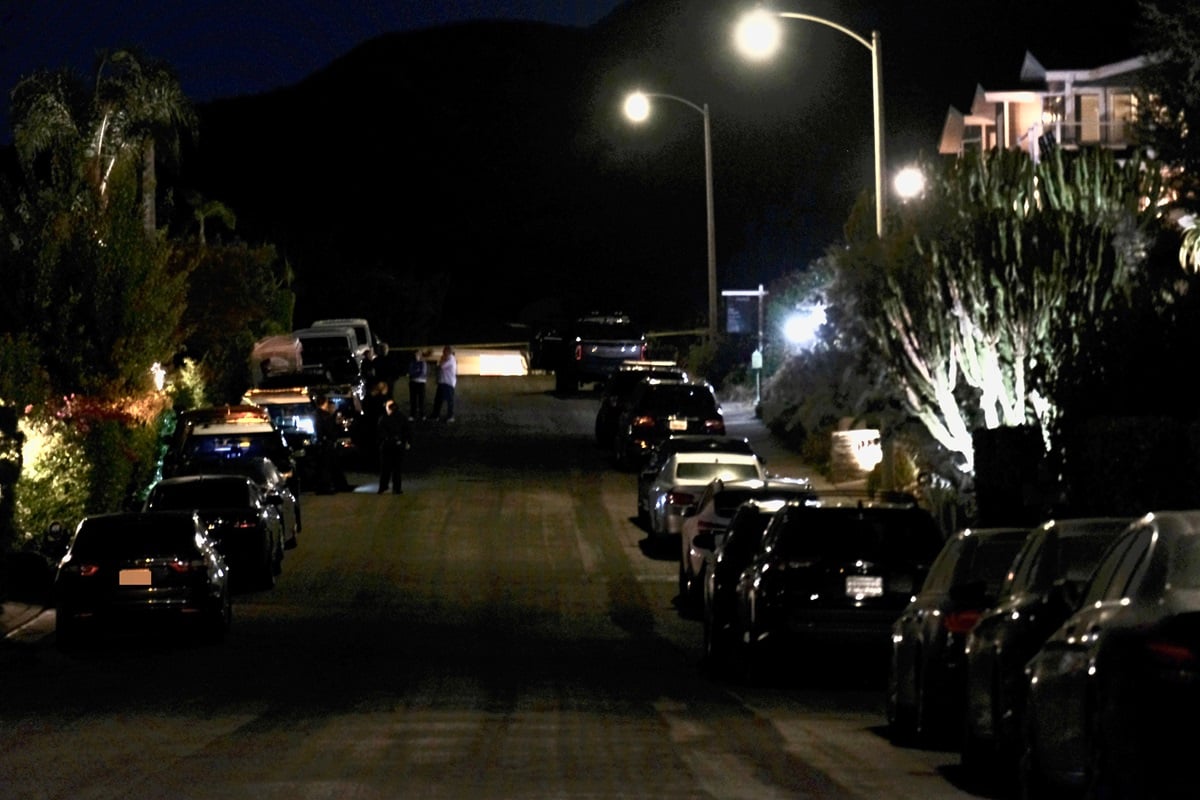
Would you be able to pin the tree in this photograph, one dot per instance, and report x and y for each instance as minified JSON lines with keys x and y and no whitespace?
{"x":1169,"y":105}
{"x":978,"y":294}
{"x":134,"y":105}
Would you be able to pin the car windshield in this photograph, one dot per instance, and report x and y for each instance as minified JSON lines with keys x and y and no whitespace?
{"x":123,"y":537}
{"x":710,"y":471}
{"x":294,"y":417}
{"x":231,"y":446}
{"x":200,"y":494}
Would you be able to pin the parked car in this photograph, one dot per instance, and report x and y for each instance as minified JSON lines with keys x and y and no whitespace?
{"x":618,"y":389}
{"x":587,"y":350}
{"x":681,"y":443}
{"x":244,"y":524}
{"x":682,"y":479}
{"x":133,"y":572}
{"x":1043,"y":588}
{"x":364,"y":341}
{"x":270,"y":481}
{"x":1114,"y":691}
{"x":830,"y":576}
{"x":703,"y":526}
{"x":925,"y":677}
{"x":731,"y":555}
{"x":658,"y":409}
{"x":218,"y":433}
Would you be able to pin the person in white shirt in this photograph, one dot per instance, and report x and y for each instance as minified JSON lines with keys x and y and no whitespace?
{"x":447,"y":380}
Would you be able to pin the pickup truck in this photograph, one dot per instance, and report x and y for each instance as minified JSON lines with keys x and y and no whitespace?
{"x":588,"y":350}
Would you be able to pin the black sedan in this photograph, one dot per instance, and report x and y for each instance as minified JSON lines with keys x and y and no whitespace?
{"x":1114,"y":693}
{"x":244,"y":523}
{"x":925,"y":675}
{"x":1042,"y":589}
{"x":134,"y":571}
{"x":270,"y":480}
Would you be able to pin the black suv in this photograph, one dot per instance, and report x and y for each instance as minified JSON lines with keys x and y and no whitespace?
{"x":618,"y":390}
{"x":658,"y":409}
{"x":830,"y":576}
{"x":588,"y":350}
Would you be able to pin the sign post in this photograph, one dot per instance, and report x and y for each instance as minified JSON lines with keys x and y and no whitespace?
{"x":736,"y":323}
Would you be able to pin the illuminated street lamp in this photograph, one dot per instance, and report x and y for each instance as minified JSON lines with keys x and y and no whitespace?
{"x":637,"y":109}
{"x":910,"y":183}
{"x":758,"y":35}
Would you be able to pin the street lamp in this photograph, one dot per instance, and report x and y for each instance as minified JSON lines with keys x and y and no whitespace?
{"x":758,"y":35}
{"x":637,"y":109}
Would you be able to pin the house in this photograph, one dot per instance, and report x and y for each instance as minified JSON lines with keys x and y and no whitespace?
{"x":1070,"y":107}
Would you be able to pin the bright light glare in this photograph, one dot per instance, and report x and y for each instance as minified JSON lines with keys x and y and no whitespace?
{"x":801,"y":327}
{"x":758,"y":34}
{"x":910,"y":183}
{"x":637,"y":107}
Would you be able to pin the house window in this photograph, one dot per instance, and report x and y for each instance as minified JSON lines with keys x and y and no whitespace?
{"x":1087,"y":116}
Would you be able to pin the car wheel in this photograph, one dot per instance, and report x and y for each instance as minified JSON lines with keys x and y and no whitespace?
{"x":1032,"y":784}
{"x":976,"y":757}
{"x":684,"y":586}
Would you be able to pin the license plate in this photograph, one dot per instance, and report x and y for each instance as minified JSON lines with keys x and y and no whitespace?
{"x":864,"y":586}
{"x":134,"y":577}
{"x":677,"y":424}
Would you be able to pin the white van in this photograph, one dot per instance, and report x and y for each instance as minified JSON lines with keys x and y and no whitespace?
{"x":330,"y":354}
{"x":364,"y":341}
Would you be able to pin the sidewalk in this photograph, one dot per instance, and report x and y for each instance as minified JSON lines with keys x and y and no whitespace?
{"x":15,"y":616}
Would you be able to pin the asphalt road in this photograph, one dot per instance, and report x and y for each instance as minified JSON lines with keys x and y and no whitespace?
{"x":500,"y":630}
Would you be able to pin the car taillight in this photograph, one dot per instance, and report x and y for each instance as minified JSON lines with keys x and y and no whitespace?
{"x":680,"y":498}
{"x":245,"y":523}
{"x":1172,"y":654}
{"x":960,"y":622}
{"x":578,"y":352}
{"x":84,"y":570}
{"x":184,"y":567}
{"x":642,"y":352}
{"x":644,"y":421}
{"x":715,"y":426}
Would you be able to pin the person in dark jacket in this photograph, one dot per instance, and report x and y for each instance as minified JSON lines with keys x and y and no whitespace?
{"x":395,"y":437}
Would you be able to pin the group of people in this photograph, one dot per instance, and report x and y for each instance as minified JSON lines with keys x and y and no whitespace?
{"x":394,"y":430}
{"x":418,"y":378}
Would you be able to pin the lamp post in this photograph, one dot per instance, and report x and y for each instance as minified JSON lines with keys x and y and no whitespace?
{"x":637,"y":109}
{"x":758,"y":36}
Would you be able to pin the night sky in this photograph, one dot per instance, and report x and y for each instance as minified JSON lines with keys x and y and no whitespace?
{"x":226,"y":48}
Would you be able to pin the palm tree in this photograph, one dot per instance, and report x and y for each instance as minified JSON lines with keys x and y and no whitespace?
{"x":135,"y":105}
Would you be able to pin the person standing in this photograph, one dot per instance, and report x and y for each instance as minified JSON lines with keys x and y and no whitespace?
{"x":395,"y":437}
{"x":447,"y":380}
{"x":326,"y":446}
{"x":418,"y":377}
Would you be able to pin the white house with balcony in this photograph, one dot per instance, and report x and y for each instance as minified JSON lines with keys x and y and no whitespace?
{"x":1076,"y":107}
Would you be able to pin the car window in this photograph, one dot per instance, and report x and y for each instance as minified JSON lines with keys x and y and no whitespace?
{"x":1023,"y":570}
{"x":700,"y":471}
{"x":1184,"y":563}
{"x":941,"y":574}
{"x":121,"y":539}
{"x":200,"y":494}
{"x":1078,"y":555}
{"x":989,"y":561}
{"x":853,"y":534}
{"x":1113,"y":574}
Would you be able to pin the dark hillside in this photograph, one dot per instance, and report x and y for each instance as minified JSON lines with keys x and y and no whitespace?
{"x":446,"y":181}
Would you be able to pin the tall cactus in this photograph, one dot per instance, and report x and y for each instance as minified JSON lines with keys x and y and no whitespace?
{"x":977,"y":295}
